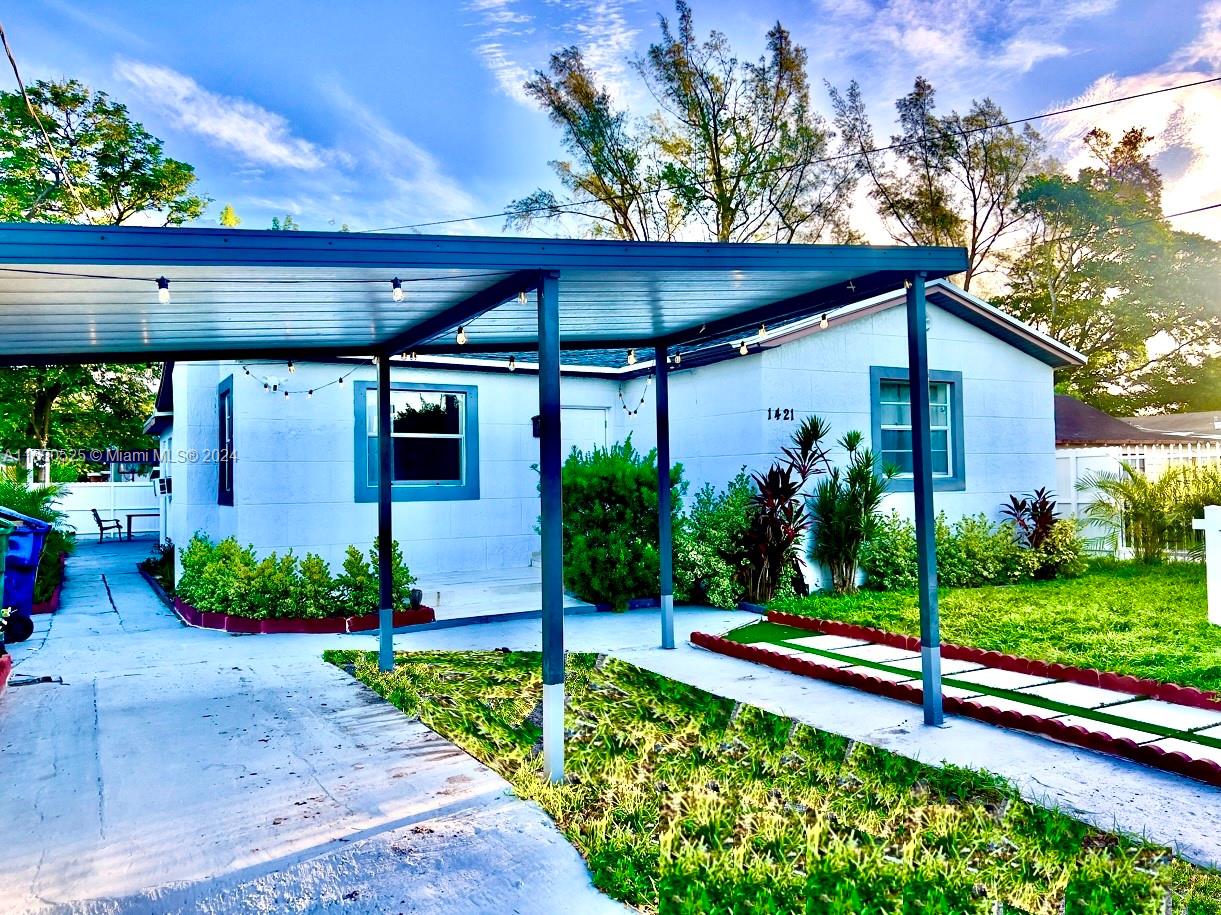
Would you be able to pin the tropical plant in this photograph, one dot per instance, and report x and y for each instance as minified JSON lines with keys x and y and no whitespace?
{"x":709,"y":545}
{"x":1132,"y":509}
{"x":844,"y":511}
{"x":358,"y":586}
{"x":610,"y":523}
{"x":42,"y":502}
{"x":1033,"y":516}
{"x":779,"y":520}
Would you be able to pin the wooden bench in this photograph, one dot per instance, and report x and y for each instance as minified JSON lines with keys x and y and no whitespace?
{"x":105,"y":527}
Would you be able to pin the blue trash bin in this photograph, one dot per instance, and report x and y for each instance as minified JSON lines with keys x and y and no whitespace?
{"x":25,"y":544}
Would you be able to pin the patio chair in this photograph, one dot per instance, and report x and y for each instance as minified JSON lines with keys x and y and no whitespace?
{"x":105,"y":527}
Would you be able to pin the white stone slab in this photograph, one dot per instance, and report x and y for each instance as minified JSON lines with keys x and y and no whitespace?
{"x":1116,"y":731}
{"x":880,"y":653}
{"x":949,"y":666}
{"x":1010,"y":705}
{"x":1194,"y":750}
{"x":1167,"y":714}
{"x":957,"y":692}
{"x":799,"y":653}
{"x":1001,"y":679}
{"x":1078,"y":694}
{"x":1215,"y":733}
{"x":882,"y":674}
{"x":827,"y":642}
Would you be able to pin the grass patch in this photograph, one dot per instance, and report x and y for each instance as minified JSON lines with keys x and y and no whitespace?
{"x":684,"y":802}
{"x":1148,"y":621}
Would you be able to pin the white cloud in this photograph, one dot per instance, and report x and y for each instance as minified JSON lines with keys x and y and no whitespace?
{"x":1186,"y":124}
{"x":252,"y":132}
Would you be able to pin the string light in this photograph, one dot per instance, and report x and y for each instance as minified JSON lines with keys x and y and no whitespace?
{"x":291,"y":368}
{"x":341,"y":379}
{"x":521,"y":297}
{"x":512,"y":363}
{"x":309,"y":394}
{"x":461,"y":338}
{"x":396,"y":289}
{"x":286,"y":395}
{"x":631,"y":357}
{"x":274,"y":384}
{"x":762,"y":331}
{"x":163,"y":290}
{"x":647,"y":381}
{"x":823,"y":322}
{"x":678,"y":358}
{"x":743,"y":349}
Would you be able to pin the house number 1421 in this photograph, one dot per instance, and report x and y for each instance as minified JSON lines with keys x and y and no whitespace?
{"x":778,"y":413}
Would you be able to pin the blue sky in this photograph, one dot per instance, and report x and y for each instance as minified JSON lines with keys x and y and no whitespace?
{"x":383,"y":113}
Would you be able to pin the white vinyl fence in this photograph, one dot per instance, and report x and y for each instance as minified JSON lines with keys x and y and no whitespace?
{"x":1073,"y":464}
{"x":113,"y":501}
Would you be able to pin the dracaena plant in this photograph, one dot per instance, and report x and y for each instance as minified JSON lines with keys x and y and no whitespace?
{"x":779,"y":519}
{"x":1033,"y":516}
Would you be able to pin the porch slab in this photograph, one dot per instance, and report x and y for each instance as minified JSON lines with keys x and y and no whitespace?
{"x":1167,"y":714}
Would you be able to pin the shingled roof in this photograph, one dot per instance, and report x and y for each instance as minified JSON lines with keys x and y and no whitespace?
{"x":1080,"y":424}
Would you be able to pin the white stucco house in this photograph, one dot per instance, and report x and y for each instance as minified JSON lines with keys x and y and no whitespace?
{"x":298,"y":474}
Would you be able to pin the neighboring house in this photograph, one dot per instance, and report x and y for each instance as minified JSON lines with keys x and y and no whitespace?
{"x":1205,"y":425}
{"x":1090,"y":442}
{"x":298,"y":471}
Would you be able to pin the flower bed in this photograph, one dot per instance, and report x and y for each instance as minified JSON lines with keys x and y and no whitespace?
{"x":51,"y":604}
{"x":331,"y":625}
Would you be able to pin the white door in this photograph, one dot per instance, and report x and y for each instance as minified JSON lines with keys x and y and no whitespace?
{"x":582,"y":427}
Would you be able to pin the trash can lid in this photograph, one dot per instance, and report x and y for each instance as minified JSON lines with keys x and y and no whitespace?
{"x":16,"y":519}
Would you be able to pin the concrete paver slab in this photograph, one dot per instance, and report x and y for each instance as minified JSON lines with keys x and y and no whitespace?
{"x":1167,"y":714}
{"x":816,"y":658}
{"x":827,"y":642}
{"x":1194,"y":750}
{"x":1011,"y":705}
{"x":882,"y":674}
{"x":948,"y":665}
{"x":879,"y":653}
{"x":1078,"y":694}
{"x":1001,"y":679}
{"x":1116,"y":731}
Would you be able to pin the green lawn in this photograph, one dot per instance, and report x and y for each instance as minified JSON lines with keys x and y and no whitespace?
{"x":684,"y":802}
{"x":1150,"y":621}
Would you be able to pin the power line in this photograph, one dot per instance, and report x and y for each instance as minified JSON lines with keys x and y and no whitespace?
{"x":564,"y":207}
{"x":41,"y":127}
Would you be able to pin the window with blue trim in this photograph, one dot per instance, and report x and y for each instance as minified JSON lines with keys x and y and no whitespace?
{"x":892,"y":425}
{"x":224,"y":442}
{"x":434,"y":442}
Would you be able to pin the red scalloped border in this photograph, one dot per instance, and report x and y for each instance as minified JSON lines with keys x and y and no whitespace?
{"x":6,"y":668}
{"x":1204,"y":770}
{"x":1087,"y":676}
{"x":327,"y":626}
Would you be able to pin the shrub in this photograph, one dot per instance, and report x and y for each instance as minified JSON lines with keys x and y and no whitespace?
{"x":888,"y":556}
{"x":709,"y":545}
{"x":1062,"y":553}
{"x":844,"y":512}
{"x":610,"y":523}
{"x":226,"y":577}
{"x":974,"y":552}
{"x":160,"y":564}
{"x":358,"y":585}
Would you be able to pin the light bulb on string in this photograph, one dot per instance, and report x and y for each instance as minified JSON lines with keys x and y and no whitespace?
{"x":163,"y":290}
{"x":461,"y":338}
{"x":762,"y":331}
{"x":291,"y":368}
{"x":396,"y":289}
{"x":521,"y":297}
{"x":631,"y":357}
{"x":512,"y":363}
{"x":309,"y":394}
{"x":823,"y":322}
{"x":286,"y":395}
{"x":743,"y":349}
{"x":678,"y":358}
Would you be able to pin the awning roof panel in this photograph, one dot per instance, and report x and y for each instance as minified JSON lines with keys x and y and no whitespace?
{"x":89,"y":293}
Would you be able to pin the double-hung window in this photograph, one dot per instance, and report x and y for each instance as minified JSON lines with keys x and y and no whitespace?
{"x":434,"y":442}
{"x":892,"y":425}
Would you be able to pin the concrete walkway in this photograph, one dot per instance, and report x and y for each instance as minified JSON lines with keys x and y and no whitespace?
{"x":184,"y":770}
{"x":180,"y":770}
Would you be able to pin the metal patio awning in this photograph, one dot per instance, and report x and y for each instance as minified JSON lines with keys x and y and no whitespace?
{"x":88,"y":293}
{"x":111,"y":294}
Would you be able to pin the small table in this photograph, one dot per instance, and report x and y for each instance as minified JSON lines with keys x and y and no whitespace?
{"x":131,"y":515}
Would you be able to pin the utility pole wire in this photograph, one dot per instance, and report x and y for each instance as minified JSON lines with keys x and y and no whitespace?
{"x":42,"y":128}
{"x":563,"y":208}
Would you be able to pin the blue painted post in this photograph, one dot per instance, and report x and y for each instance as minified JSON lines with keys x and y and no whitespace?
{"x":665,"y":533}
{"x":922,"y":486}
{"x":550,"y":460}
{"x":385,"y":533}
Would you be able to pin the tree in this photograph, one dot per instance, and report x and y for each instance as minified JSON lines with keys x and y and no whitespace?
{"x":288,"y":225}
{"x":949,"y":180}
{"x":1105,"y":273}
{"x":118,"y":169}
{"x":734,"y":152}
{"x":229,"y":218}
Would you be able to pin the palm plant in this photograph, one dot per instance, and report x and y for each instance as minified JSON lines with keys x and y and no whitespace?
{"x":1133,"y":509}
{"x":844,"y":511}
